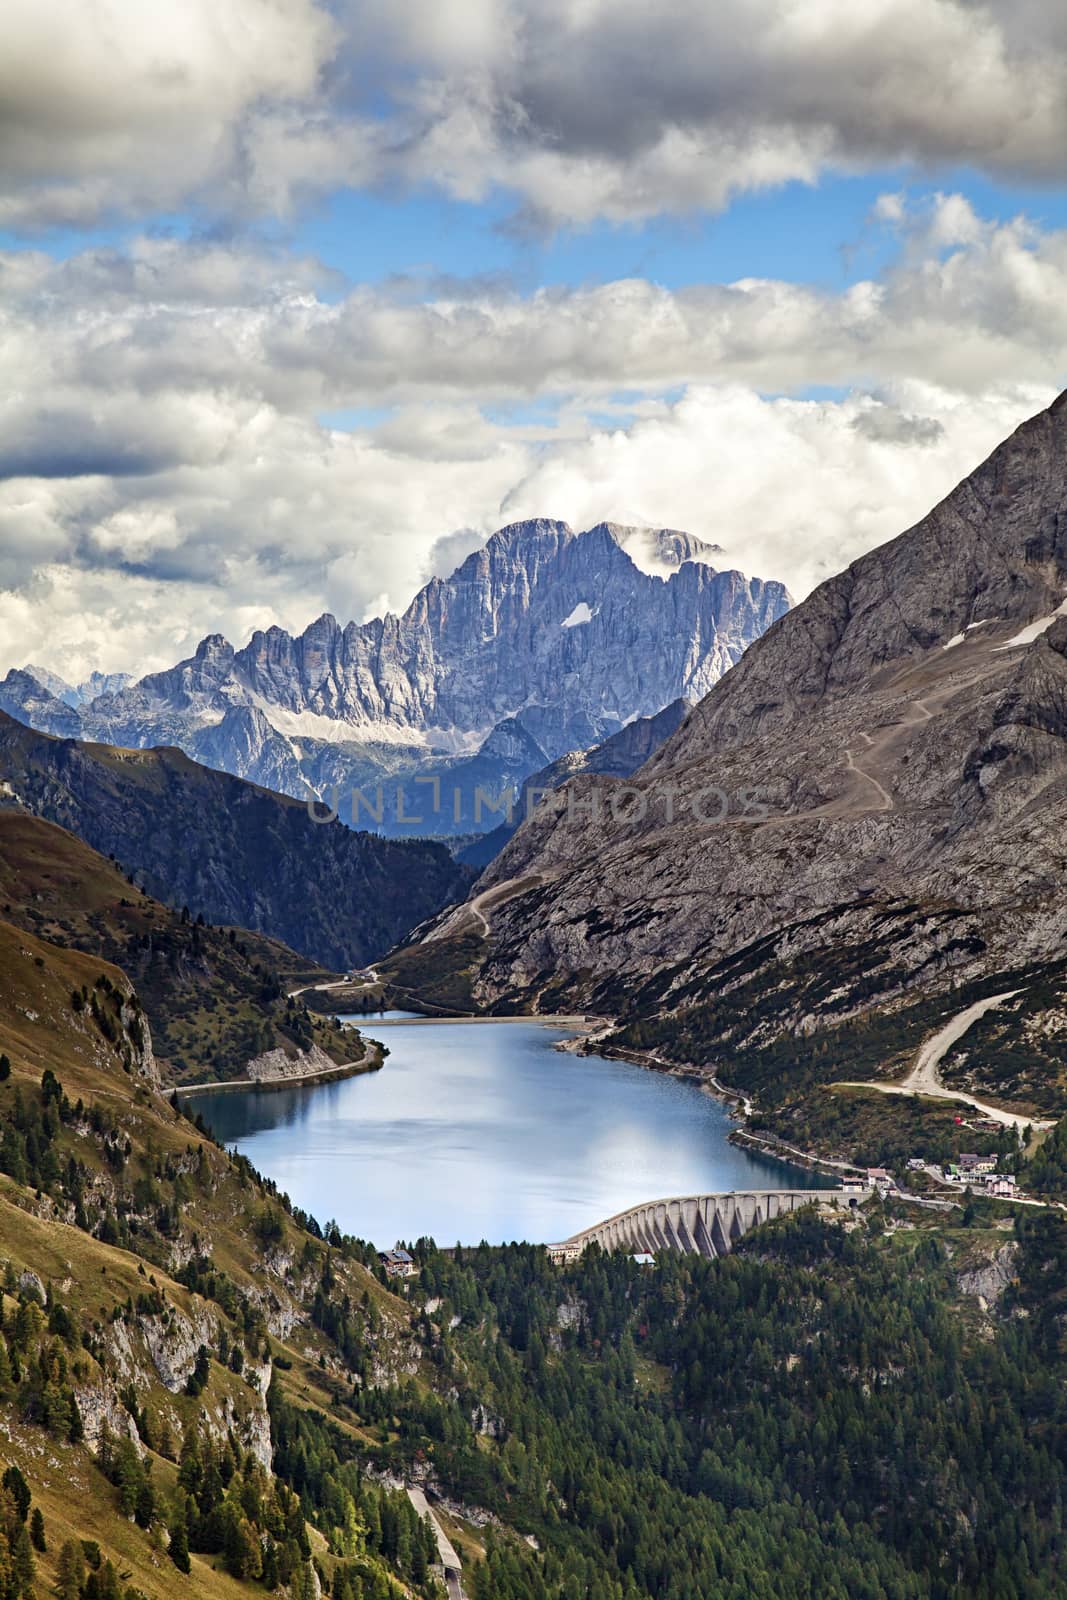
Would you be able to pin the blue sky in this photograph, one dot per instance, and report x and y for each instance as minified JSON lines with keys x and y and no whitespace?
{"x":298,"y":303}
{"x":823,"y":233}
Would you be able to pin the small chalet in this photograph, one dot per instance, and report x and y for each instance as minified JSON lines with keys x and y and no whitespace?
{"x":397,"y":1263}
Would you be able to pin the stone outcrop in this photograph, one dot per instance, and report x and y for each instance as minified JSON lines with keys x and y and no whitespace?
{"x":138,"y":1036}
{"x":274,"y":1066}
{"x":100,"y":1408}
{"x":989,"y":1280}
{"x":173,"y":1342}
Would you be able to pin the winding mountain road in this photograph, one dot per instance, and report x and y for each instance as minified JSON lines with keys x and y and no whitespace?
{"x":474,"y":911}
{"x":924,"y":1079}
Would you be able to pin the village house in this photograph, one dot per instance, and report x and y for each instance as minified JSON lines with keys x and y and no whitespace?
{"x":397,"y":1263}
{"x":978,"y":1164}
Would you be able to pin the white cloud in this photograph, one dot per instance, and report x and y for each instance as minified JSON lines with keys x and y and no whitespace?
{"x":790,"y":489}
{"x":160,"y":456}
{"x":966,"y":303}
{"x":579,"y":108}
{"x":121,"y":104}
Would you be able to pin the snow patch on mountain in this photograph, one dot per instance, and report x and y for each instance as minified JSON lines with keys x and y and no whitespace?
{"x":1034,"y":630}
{"x":581,"y":613}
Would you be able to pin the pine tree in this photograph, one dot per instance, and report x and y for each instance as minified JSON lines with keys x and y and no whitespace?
{"x":70,"y":1571}
{"x":19,"y":1490}
{"x":179,"y":1548}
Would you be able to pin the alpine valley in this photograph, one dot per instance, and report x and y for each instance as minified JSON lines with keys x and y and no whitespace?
{"x":533,"y":1052}
{"x":856,"y":832}
{"x":839,"y":873}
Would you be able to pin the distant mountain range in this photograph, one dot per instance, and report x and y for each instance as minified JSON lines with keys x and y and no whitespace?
{"x":543,"y":642}
{"x":618,"y":756}
{"x":79,"y":694}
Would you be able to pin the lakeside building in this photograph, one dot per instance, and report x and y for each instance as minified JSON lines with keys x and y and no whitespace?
{"x":560,"y":1254}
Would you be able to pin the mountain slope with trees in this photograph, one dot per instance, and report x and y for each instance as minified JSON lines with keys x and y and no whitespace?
{"x":237,"y":854}
{"x":232,"y":1391}
{"x":215,"y":997}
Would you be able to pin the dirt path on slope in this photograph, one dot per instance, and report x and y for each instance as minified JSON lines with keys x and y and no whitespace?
{"x":924,"y":1079}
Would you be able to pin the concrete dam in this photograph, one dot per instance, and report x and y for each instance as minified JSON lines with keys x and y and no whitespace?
{"x":700,"y":1224}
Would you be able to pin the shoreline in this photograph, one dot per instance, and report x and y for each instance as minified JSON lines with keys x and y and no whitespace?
{"x":343,"y":1069}
{"x":739,"y":1105}
{"x":580,"y":1041}
{"x":356,"y":1019}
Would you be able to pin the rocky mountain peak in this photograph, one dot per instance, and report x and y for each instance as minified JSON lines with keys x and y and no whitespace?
{"x":574,"y":634}
{"x":522,"y":536}
{"x":660,"y":551}
{"x":24,"y":697}
{"x":993,"y":552}
{"x":214,"y":648}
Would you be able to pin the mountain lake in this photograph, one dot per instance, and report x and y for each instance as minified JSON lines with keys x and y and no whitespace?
{"x":484,"y":1130}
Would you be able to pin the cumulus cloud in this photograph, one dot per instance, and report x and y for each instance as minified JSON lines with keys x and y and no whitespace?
{"x":171,"y":463}
{"x":965,"y":301}
{"x":117,"y":104}
{"x":792,"y":489}
{"x":579,"y":108}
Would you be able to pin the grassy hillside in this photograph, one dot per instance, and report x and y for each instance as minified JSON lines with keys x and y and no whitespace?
{"x":160,"y":1326}
{"x":237,"y":854}
{"x":215,"y":996}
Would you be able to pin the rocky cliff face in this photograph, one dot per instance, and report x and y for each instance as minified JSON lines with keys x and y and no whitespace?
{"x":869,"y":805}
{"x":546,"y":637}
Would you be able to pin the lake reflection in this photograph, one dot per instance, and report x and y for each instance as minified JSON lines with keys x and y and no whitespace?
{"x":484,"y":1131}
